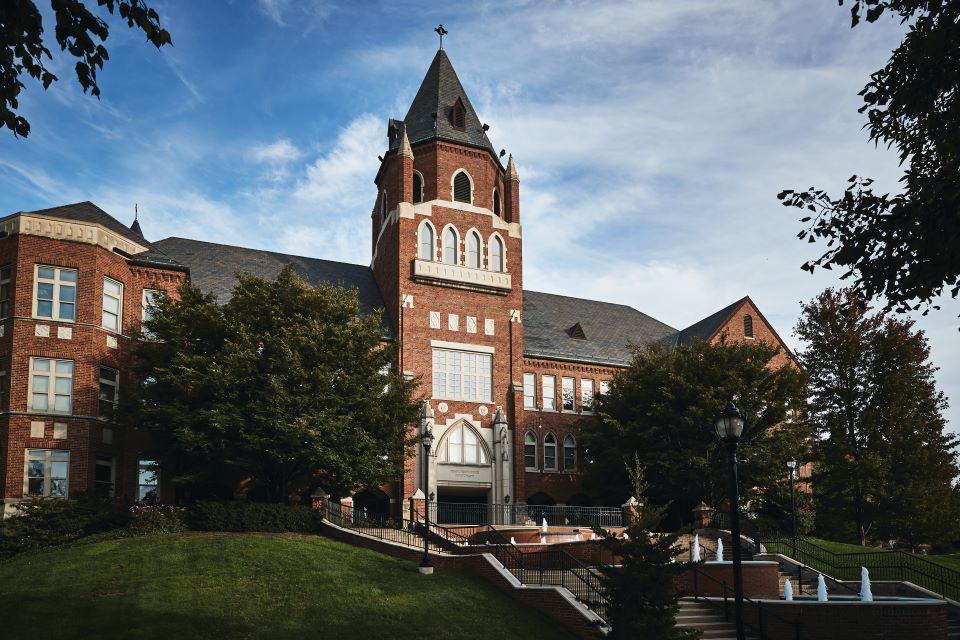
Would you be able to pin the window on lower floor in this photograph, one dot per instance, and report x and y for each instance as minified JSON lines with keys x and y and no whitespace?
{"x":569,"y":453}
{"x":51,"y":385}
{"x":530,"y":451}
{"x":529,"y":391}
{"x":104,"y":478}
{"x":46,"y":473}
{"x":55,"y":293}
{"x":109,"y":385}
{"x":148,"y":481}
{"x":462,"y":375}
{"x":550,"y":452}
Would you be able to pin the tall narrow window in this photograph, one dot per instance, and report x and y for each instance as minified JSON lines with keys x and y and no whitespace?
{"x":5,"y":291}
{"x":586,"y":395}
{"x":46,"y":473}
{"x":104,"y":478}
{"x":496,"y":254}
{"x":529,"y":391}
{"x":383,"y":209}
{"x":748,"y":326}
{"x":417,"y":187}
{"x":450,"y":246}
{"x":4,"y":391}
{"x":109,"y":384}
{"x":550,"y":452}
{"x":55,"y":293}
{"x":473,"y":250}
{"x":426,"y":242}
{"x":549,"y":384}
{"x":496,"y":202}
{"x":569,"y":453}
{"x":148,"y":308}
{"x":569,"y":394}
{"x":461,"y":187}
{"x":51,"y":385}
{"x":148,"y":481}
{"x":604,"y":387}
{"x":112,"y":304}
{"x":530,"y":452}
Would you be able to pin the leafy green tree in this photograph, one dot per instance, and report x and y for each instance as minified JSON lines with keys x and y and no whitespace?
{"x":901,"y":247}
{"x":883,"y":465}
{"x":79,"y":32}
{"x":285,"y":382}
{"x":642,"y":589}
{"x":662,"y":407}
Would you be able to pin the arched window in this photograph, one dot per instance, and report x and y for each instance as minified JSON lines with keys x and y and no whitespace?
{"x":426,"y":242}
{"x":496,"y":254}
{"x":450,"y":243}
{"x":473,"y":250}
{"x":458,"y":116}
{"x":496,"y":202}
{"x":417,"y":187}
{"x":569,"y":453}
{"x":463,"y":446}
{"x":529,"y":451}
{"x":462,"y":189}
{"x":748,"y":326}
{"x":550,"y":452}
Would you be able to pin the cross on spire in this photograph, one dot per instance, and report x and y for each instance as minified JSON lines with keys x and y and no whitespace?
{"x":441,"y":32}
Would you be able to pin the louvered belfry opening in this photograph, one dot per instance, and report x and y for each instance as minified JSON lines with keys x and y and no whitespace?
{"x":748,"y":326}
{"x":461,"y":187}
{"x":459,"y":116}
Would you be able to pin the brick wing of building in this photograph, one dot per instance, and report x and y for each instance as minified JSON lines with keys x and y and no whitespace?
{"x":507,"y":372}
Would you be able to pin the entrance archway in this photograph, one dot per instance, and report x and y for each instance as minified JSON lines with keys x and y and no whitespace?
{"x":371,"y":503}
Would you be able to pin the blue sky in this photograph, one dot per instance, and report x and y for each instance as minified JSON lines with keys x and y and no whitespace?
{"x":651,"y":137}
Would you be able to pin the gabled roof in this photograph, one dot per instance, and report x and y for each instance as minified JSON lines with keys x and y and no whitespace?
{"x":438,"y":94}
{"x":214,"y":268}
{"x":708,"y":327}
{"x":610,"y":329}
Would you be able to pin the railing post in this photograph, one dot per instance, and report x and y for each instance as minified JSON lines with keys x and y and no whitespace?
{"x":726,"y":603}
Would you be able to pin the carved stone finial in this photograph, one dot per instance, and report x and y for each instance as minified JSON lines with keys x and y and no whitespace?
{"x":512,"y":170}
{"x":405,"y":149}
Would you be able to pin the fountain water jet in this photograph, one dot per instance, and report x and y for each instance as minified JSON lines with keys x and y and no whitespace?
{"x":543,"y":527}
{"x":696,"y":548}
{"x":719,"y":550}
{"x":787,"y":590}
{"x":866,"y":595}
{"x":513,"y":541}
{"x":821,"y":589}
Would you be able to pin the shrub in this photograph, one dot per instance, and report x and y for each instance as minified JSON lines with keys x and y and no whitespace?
{"x":252,"y":516}
{"x":45,"y":522}
{"x":146,"y":519}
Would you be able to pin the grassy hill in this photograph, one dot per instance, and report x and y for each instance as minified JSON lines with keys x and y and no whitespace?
{"x":248,"y":586}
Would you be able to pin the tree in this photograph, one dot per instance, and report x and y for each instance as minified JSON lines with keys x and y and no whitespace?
{"x":662,"y":406}
{"x":79,"y":32}
{"x":883,"y":465}
{"x":901,"y":247}
{"x":284,"y":384}
{"x":642,"y":590}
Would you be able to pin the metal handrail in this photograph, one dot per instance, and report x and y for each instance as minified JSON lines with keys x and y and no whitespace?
{"x":518,"y":513}
{"x":758,"y":605}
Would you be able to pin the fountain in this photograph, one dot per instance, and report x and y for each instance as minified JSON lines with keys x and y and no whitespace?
{"x":821,"y":589}
{"x":696,"y":548}
{"x":513,"y":541}
{"x":593,"y":536}
{"x":866,"y":595}
{"x":787,"y":590}
{"x":719,"y":550}
{"x":543,"y":527}
{"x":625,"y":536}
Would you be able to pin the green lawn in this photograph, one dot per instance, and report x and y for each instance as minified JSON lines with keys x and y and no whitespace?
{"x":248,"y":586}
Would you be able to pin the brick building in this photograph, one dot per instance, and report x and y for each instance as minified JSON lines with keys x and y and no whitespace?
{"x":506,"y":372}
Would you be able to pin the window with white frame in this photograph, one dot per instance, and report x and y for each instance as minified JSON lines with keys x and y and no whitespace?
{"x":548,"y":385}
{"x":462,"y":375}
{"x":530,"y":451}
{"x":569,"y":453}
{"x":104,"y":476}
{"x":112,"y":304}
{"x":496,"y":254}
{"x":473,"y":250}
{"x":148,"y":480}
{"x":586,"y":395}
{"x":46,"y":473}
{"x":148,"y":306}
{"x":55,"y":293}
{"x":550,"y":452}
{"x":529,"y":391}
{"x":109,"y":387}
{"x":5,"y":291}
{"x":426,"y":242}
{"x":463,"y":446}
{"x":604,"y":387}
{"x":450,"y":242}
{"x":569,"y":394}
{"x":51,"y":385}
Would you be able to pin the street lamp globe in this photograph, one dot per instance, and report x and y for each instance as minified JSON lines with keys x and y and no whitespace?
{"x":428,"y":440}
{"x":729,"y":423}
{"x":792,"y":464}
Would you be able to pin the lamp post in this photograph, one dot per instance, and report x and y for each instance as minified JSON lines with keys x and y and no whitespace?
{"x":729,"y":426}
{"x":425,"y":565}
{"x":792,"y":466}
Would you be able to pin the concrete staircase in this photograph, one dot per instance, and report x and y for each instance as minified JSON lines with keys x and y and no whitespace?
{"x":708,"y":619}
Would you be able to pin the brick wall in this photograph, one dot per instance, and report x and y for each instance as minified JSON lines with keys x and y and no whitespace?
{"x":760,"y":579}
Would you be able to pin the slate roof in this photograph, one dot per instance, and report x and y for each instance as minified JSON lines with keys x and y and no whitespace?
{"x":704,"y":329}
{"x":214,"y":267}
{"x":92,"y":214}
{"x":609,"y":329}
{"x":438,"y":94}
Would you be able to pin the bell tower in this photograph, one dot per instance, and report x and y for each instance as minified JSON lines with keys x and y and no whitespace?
{"x":447,"y":256}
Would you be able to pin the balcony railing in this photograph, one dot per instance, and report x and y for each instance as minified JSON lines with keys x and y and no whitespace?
{"x":524,"y":514}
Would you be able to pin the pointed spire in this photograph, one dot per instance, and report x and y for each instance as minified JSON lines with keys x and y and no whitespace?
{"x":405,"y":149}
{"x":135,"y":227}
{"x":512,"y":170}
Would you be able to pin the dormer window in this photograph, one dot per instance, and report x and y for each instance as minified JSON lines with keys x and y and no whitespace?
{"x":462,"y":189}
{"x":458,"y":116}
{"x":576,"y":332}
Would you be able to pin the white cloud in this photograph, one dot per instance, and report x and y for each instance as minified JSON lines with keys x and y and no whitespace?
{"x":280,"y":151}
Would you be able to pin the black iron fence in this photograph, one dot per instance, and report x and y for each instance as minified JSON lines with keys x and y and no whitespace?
{"x":405,"y":532}
{"x":524,"y":514}
{"x":759,"y":619}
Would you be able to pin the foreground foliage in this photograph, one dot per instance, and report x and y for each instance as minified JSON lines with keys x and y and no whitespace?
{"x":198,"y":586}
